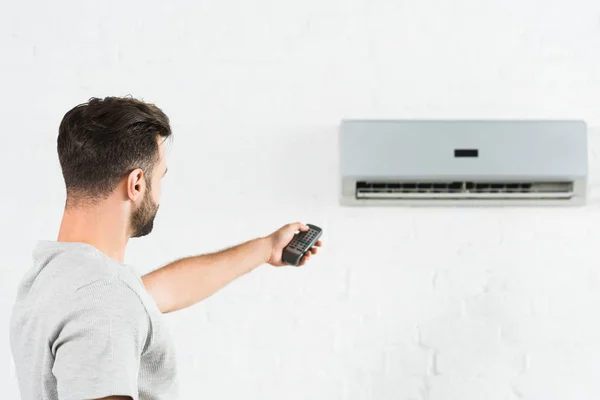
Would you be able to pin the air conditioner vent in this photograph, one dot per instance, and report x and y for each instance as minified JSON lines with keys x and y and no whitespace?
{"x":463,"y":190}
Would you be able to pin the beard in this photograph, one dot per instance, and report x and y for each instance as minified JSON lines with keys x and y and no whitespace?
{"x":142,"y":219}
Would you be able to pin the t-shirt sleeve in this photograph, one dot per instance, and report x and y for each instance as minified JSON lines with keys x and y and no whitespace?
{"x":97,"y":352}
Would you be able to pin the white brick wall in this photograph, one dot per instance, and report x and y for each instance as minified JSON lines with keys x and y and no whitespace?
{"x":405,"y":304}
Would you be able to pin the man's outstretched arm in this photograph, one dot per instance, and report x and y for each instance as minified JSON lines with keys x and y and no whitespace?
{"x":187,"y":281}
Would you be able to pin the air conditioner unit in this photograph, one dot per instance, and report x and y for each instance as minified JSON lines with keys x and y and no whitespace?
{"x":404,"y":162}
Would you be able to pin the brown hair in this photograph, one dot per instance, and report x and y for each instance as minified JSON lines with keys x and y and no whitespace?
{"x":101,"y":141}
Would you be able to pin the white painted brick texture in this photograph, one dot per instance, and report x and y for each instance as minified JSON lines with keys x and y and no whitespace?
{"x":410,"y":304}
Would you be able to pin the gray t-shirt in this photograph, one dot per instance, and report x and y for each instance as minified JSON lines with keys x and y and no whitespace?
{"x":84,"y":327}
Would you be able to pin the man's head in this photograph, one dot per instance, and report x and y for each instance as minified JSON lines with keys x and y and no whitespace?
{"x":115,"y":147}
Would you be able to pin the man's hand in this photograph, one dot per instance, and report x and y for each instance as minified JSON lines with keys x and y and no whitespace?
{"x":281,"y":238}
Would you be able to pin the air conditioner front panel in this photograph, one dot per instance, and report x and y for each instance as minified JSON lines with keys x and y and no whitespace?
{"x":463,"y":162}
{"x":430,"y":148}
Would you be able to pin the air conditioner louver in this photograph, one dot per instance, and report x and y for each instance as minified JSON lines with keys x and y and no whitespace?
{"x":463,"y":190}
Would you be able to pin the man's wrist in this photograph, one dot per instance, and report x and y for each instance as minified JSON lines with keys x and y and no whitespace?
{"x":265,"y":248}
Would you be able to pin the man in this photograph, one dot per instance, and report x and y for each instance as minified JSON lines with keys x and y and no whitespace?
{"x":84,"y":325}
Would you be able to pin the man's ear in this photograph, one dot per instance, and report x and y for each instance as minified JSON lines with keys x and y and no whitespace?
{"x":136,"y":185}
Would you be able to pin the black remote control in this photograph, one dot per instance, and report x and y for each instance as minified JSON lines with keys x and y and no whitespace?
{"x":300,"y":244}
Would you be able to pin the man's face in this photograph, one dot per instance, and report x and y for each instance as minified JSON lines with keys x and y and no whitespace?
{"x":142,"y":218}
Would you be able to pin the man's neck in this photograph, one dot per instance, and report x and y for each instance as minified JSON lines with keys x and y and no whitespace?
{"x":99,"y":226}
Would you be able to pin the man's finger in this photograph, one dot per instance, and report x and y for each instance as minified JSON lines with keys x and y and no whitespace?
{"x":298,"y":226}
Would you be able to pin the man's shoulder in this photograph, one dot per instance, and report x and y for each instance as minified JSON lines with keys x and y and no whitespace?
{"x":108,"y":293}
{"x":70,"y":286}
{"x":63,"y":273}
{"x":106,"y":283}
{"x":71,"y":266}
